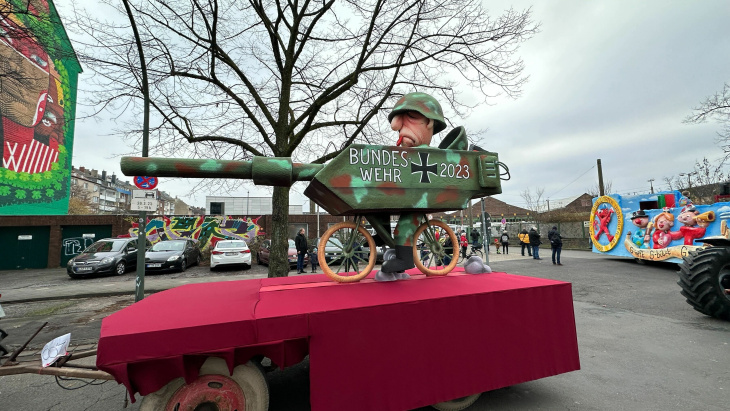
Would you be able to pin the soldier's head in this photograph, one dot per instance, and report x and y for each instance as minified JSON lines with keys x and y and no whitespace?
{"x":416,"y":117}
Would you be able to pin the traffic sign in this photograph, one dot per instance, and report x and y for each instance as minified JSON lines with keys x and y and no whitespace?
{"x":145,"y":183}
{"x":144,"y":200}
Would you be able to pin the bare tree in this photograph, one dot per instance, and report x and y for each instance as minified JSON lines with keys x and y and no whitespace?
{"x":235,"y":79}
{"x":79,"y":201}
{"x":702,"y":183}
{"x":716,"y":107}
{"x":534,"y":200}
{"x":595,"y":190}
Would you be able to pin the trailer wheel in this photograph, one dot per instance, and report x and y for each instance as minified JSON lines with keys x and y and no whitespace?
{"x":349,"y":253}
{"x":429,"y":252}
{"x":214,"y":389}
{"x":457,"y":404}
{"x":704,"y":276}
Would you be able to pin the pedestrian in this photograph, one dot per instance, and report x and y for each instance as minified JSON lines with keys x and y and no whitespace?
{"x":556,"y":243}
{"x":313,"y":258}
{"x":496,"y":244}
{"x":449,"y":249}
{"x":300,"y":242}
{"x":525,"y":242}
{"x":505,"y":242}
{"x":474,"y":237}
{"x":464,"y":243}
{"x":535,"y":243}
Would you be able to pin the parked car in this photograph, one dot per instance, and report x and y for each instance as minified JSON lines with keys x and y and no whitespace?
{"x":172,"y":255}
{"x":108,"y":255}
{"x":230,"y":252}
{"x":265,"y":251}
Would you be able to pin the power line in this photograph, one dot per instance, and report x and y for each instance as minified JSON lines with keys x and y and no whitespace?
{"x":566,"y":186}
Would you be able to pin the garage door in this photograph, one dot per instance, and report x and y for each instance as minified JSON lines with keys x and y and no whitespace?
{"x":75,"y":238}
{"x":24,"y":247}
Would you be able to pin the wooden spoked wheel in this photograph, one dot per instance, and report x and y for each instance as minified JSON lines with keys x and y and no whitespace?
{"x":347,"y":247}
{"x":214,"y":389}
{"x":457,"y":404}
{"x":429,"y":253}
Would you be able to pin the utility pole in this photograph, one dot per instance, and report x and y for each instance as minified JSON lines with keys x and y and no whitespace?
{"x":548,"y":204}
{"x":600,"y":178}
{"x":652,"y":185}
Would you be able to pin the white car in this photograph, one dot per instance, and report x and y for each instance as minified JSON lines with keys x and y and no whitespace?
{"x":230,"y":252}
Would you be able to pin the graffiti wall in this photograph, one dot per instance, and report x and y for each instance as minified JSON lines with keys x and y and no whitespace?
{"x":206,"y":229}
{"x":38,"y":82}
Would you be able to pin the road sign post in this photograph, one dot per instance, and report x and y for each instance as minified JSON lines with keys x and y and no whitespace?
{"x":143,"y":200}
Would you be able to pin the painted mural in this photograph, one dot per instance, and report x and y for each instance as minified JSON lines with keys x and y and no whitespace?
{"x":38,"y":82}
{"x":206,"y":229}
{"x":664,"y":226}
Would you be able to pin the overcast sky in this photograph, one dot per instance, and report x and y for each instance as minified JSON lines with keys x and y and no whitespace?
{"x":609,"y":80}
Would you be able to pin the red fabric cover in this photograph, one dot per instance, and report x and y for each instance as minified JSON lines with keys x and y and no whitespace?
{"x":385,"y":346}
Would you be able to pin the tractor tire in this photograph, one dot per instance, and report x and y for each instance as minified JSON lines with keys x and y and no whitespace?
{"x":704,"y":276}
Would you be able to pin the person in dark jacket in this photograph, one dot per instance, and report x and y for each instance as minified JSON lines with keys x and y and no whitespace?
{"x":505,"y":242}
{"x":556,"y":243}
{"x":300,"y":242}
{"x":535,"y":243}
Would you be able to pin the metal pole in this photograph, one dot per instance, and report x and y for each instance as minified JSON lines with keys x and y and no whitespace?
{"x":317,"y":220}
{"x":141,"y":249}
{"x":600,"y":178}
{"x":484,"y":236}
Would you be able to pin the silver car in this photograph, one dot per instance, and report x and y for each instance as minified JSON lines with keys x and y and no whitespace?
{"x":230,"y":252}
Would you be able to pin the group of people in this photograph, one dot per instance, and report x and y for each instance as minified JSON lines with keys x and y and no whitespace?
{"x":531,"y":241}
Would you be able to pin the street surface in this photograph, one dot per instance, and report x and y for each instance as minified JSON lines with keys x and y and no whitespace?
{"x":642,"y":347}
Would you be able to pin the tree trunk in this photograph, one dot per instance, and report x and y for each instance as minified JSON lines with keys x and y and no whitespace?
{"x":279,"y":257}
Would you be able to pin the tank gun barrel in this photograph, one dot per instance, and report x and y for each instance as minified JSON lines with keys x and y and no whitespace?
{"x":270,"y":171}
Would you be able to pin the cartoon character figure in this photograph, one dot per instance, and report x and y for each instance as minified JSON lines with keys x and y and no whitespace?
{"x":604,"y":217}
{"x":663,"y":223}
{"x":694,"y":224}
{"x":641,"y":221}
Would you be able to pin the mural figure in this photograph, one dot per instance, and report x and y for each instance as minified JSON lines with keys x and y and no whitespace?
{"x":641,"y":221}
{"x":694,"y":224}
{"x":604,"y":217}
{"x":38,"y":74}
{"x":663,"y":223}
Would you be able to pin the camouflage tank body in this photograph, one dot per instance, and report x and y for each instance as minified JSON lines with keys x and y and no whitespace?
{"x":363,"y":179}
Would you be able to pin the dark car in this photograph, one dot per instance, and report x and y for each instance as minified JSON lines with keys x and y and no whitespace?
{"x":265,"y":250}
{"x":172,"y":255}
{"x":109,"y":255}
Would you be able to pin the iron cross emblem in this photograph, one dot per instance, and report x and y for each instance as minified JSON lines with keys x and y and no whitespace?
{"x":424,"y":168}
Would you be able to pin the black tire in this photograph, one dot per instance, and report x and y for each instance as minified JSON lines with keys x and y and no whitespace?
{"x":74,"y":276}
{"x":704,"y":276}
{"x":183,"y":265}
{"x":120,"y":268}
{"x":197,"y":260}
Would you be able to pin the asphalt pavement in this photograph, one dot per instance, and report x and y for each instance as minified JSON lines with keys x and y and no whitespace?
{"x":22,"y":286}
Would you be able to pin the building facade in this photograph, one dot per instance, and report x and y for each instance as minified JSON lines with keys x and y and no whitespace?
{"x":38,"y":82}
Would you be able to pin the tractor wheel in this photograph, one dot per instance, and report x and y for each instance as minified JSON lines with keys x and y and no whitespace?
{"x":429,"y":254}
{"x":214,"y":389}
{"x":348,"y":252}
{"x":704,"y":276}
{"x":457,"y":404}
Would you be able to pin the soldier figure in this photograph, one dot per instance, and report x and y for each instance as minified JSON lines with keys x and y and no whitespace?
{"x":416,"y":117}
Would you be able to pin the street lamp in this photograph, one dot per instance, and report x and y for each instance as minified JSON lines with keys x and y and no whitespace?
{"x":652,"y":185}
{"x":689,"y":175}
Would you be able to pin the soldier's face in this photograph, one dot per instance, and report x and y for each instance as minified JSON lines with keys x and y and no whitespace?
{"x":413,"y":128}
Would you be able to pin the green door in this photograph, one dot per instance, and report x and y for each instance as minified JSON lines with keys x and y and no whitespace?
{"x":24,"y":247}
{"x":75,"y":238}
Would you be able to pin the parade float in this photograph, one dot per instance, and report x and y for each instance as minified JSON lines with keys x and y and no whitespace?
{"x":668,"y":226}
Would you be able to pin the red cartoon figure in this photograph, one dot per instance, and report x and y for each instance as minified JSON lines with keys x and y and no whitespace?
{"x":694,"y":224}
{"x":601,"y":226}
{"x":663,"y":222}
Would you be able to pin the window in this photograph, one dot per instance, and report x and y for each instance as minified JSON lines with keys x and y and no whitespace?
{"x":217,"y":208}
{"x":86,"y":186}
{"x":96,"y":188}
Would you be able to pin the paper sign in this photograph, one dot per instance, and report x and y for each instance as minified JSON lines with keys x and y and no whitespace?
{"x":55,"y":349}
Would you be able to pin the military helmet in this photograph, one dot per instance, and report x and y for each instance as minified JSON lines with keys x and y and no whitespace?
{"x":424,"y":104}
